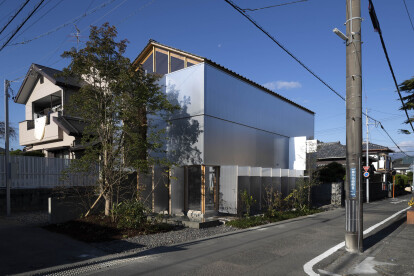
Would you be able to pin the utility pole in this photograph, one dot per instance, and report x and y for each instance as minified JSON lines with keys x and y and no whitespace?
{"x":6,"y":150}
{"x":367,"y":152}
{"x":353,"y":197}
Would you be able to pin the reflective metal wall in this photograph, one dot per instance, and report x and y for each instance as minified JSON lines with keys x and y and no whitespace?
{"x":227,"y":121}
{"x":177,"y":190}
{"x":247,"y":126}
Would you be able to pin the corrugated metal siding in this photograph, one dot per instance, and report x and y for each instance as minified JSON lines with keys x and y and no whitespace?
{"x":29,"y":172}
{"x":228,"y":189}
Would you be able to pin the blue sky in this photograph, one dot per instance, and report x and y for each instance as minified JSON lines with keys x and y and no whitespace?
{"x":212,"y":29}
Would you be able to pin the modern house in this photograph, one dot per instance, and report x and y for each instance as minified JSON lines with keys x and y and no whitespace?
{"x":229,"y":129}
{"x":230,"y":135}
{"x":47,"y":126}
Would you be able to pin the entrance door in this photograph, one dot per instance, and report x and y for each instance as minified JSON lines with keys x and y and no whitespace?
{"x":211,"y":190}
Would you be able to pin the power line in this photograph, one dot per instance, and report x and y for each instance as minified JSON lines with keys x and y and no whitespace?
{"x":377,"y":28}
{"x":408,"y":13}
{"x":241,"y":11}
{"x":237,"y":8}
{"x":14,"y":16}
{"x":22,"y":24}
{"x":40,"y":17}
{"x":65,"y":24}
{"x":268,"y":7}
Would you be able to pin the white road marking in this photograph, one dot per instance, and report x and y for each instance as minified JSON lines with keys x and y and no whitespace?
{"x":308,"y":267}
{"x":367,"y":266}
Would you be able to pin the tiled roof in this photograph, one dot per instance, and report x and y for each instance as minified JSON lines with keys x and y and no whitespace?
{"x":331,"y":150}
{"x":375,"y":147}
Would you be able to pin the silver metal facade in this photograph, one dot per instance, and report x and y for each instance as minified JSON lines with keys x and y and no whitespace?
{"x":237,"y":123}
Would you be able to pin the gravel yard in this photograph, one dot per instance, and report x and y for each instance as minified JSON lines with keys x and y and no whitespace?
{"x":139,"y":243}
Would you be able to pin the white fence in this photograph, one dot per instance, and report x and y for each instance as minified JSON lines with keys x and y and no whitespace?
{"x":29,"y":172}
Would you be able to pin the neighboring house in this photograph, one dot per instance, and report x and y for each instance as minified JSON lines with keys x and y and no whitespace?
{"x":336,"y":152}
{"x":47,"y":126}
{"x":379,"y":156}
{"x":330,"y":152}
{"x":227,"y":123}
{"x":403,"y":165}
{"x":402,"y":168}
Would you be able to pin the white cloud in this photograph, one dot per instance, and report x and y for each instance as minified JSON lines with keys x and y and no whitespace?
{"x":282,"y":85}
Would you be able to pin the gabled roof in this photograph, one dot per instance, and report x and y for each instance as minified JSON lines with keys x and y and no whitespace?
{"x":152,"y":43}
{"x":34,"y":73}
{"x":333,"y":150}
{"x":375,"y":147}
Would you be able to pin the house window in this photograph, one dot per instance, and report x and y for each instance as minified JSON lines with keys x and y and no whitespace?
{"x":176,"y":63}
{"x":161,"y":62}
{"x":190,"y":63}
{"x":42,"y":80}
{"x":147,"y":65}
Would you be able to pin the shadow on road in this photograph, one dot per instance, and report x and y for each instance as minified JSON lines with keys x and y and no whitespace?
{"x":383,"y":233}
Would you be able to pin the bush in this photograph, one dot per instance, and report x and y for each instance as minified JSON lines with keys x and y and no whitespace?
{"x":401,"y":181}
{"x":247,"y":201}
{"x":130,"y":214}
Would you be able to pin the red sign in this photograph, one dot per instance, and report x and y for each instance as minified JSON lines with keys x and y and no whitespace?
{"x":366,"y":168}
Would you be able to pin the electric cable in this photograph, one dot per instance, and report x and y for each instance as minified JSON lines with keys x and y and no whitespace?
{"x":14,"y":16}
{"x":377,"y":28}
{"x":273,"y":6}
{"x":64,"y":25}
{"x":240,"y":10}
{"x":408,"y":13}
{"x":40,"y":17}
{"x":237,"y":8}
{"x":22,"y":24}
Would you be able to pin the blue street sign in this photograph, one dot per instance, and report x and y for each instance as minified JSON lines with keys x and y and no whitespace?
{"x":366,"y":174}
{"x":353,"y":183}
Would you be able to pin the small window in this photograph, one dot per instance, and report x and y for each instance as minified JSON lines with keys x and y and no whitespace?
{"x":161,"y":63}
{"x":176,"y":64}
{"x":190,"y":64}
{"x":147,"y":65}
{"x":42,"y":79}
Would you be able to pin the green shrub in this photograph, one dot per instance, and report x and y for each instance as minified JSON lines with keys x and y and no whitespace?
{"x":247,"y":202}
{"x":401,"y":181}
{"x":130,"y":214}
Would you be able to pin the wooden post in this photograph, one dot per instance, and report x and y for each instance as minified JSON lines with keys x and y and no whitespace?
{"x":203,"y":189}
{"x":393,"y":186}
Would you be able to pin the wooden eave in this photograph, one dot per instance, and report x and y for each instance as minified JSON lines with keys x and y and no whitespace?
{"x":152,"y":44}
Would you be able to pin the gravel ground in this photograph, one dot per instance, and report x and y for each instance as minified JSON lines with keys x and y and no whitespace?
{"x":36,"y":218}
{"x":140,"y":243}
{"x":133,"y":244}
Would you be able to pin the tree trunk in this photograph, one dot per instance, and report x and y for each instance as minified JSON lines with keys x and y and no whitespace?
{"x":108,"y":203}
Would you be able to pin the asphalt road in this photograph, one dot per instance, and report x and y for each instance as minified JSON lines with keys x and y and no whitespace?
{"x":278,"y":249}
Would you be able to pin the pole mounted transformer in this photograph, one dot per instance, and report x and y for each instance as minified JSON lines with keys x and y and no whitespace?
{"x":353,"y":192}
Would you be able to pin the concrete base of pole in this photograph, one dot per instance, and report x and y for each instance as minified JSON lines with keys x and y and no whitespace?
{"x":351,"y":242}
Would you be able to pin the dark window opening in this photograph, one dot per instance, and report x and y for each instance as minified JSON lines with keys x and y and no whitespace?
{"x":147,"y":65}
{"x":176,"y":64}
{"x":190,"y":64}
{"x":161,"y":63}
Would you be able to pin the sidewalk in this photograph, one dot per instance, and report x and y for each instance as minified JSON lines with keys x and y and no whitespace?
{"x":389,"y":251}
{"x":26,"y":247}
